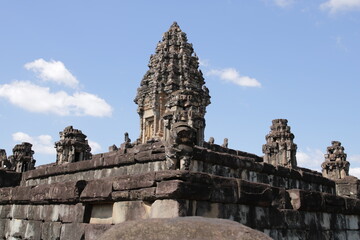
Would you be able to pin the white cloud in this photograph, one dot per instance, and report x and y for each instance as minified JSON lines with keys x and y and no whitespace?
{"x":204,"y":62}
{"x":41,"y":144}
{"x":354,"y":159}
{"x":52,"y":71}
{"x":354,"y":172}
{"x":233,"y":76}
{"x":335,"y":6}
{"x":35,"y":98}
{"x":283,"y":3}
{"x":310,"y":158}
{"x":95,"y":147}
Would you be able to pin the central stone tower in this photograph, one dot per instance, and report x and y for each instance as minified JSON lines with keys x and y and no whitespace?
{"x":172,"y":92}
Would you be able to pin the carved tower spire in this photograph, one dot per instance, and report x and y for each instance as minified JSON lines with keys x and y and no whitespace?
{"x":335,"y":165}
{"x":280,"y":148}
{"x":172,"y":90}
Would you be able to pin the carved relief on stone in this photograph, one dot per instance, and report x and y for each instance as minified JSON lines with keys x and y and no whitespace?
{"x":72,"y":147}
{"x":22,"y":159}
{"x":172,"y":90}
{"x":179,"y":146}
{"x":280,"y":148}
{"x":335,"y":165}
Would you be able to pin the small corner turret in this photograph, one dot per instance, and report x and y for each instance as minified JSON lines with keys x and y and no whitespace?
{"x":280,"y":148}
{"x":172,"y":90}
{"x":22,"y":159}
{"x":335,"y":165}
{"x":72,"y":147}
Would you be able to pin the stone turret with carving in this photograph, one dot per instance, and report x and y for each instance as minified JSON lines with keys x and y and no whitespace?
{"x":72,"y":147}
{"x":22,"y":159}
{"x":335,"y":165}
{"x":172,"y":90}
{"x":3,"y":159}
{"x":280,"y":148}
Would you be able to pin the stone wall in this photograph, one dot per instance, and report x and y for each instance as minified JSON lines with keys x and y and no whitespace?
{"x":73,"y":210}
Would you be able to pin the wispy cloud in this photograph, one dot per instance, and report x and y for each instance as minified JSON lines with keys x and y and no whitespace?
{"x":52,"y":71}
{"x":283,"y":3}
{"x":41,"y":144}
{"x":34,"y":98}
{"x":354,"y":172}
{"x":310,"y":158}
{"x":204,"y":62}
{"x":335,"y":6}
{"x":95,"y":147}
{"x":233,"y":76}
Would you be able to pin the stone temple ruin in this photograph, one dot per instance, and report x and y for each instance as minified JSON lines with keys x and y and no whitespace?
{"x":170,"y":171}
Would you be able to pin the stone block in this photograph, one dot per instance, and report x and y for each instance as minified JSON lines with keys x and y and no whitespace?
{"x":353,"y":234}
{"x":51,"y":230}
{"x":101,"y":214}
{"x":208,"y":209}
{"x":120,"y":196}
{"x":185,"y":190}
{"x":33,"y":230}
{"x":134,"y":181}
{"x":339,"y":235}
{"x":19,"y":211}
{"x":21,"y":194}
{"x":333,"y":203}
{"x":97,"y":190}
{"x":352,"y":222}
{"x":255,"y":193}
{"x":261,"y":220}
{"x":311,"y":220}
{"x":305,"y":200}
{"x":5,"y":195}
{"x":95,"y":231}
{"x":130,"y":210}
{"x":293,"y":219}
{"x":146,"y":194}
{"x":72,"y":213}
{"x":352,"y":206}
{"x":15,"y":228}
{"x":5,"y":211}
{"x":339,"y":221}
{"x":168,"y":208}
{"x":35,"y":212}
{"x":57,"y":192}
{"x":3,"y":223}
{"x":325,"y":220}
{"x":73,"y":231}
{"x":127,"y":158}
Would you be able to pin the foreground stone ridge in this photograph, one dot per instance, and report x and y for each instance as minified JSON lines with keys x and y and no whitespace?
{"x":171,"y":172}
{"x":195,"y":228}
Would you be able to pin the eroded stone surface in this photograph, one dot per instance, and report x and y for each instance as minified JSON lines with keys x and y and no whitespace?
{"x":183,"y":228}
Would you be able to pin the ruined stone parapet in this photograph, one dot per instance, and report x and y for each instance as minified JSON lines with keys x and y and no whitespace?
{"x":72,"y":147}
{"x":22,"y":159}
{"x":280,"y":148}
{"x":172,"y":90}
{"x":335,"y":165}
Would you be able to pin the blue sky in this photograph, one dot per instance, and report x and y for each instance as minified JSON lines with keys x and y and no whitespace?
{"x":80,"y":62}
